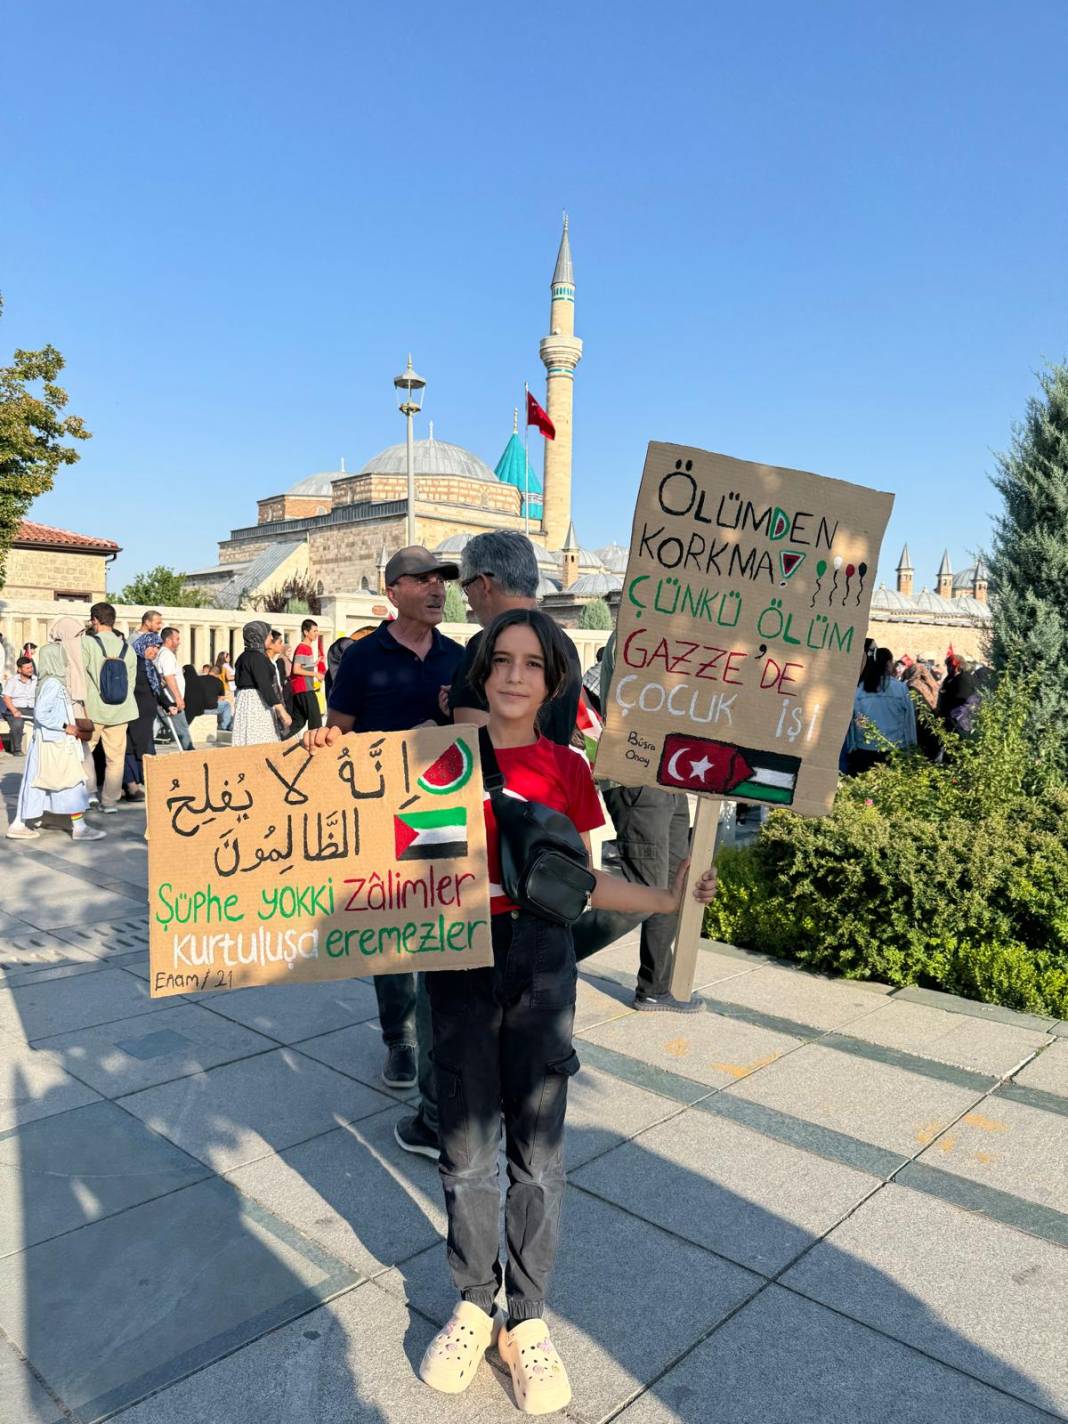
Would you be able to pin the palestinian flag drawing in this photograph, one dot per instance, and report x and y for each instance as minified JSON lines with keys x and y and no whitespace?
{"x":431,"y":835}
{"x":723,"y":769}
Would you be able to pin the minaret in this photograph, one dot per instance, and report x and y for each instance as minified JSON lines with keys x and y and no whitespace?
{"x":904,"y":572}
{"x":944,"y":587}
{"x":569,"y":565}
{"x":560,"y":351}
{"x":980,"y":581}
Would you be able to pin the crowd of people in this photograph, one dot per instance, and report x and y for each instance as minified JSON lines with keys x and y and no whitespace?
{"x":129,"y":692}
{"x":891,"y":692}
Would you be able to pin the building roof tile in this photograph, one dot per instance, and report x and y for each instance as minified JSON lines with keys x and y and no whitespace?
{"x":46,"y":536}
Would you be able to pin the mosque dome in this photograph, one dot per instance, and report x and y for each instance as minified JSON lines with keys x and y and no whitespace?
{"x":430,"y":457}
{"x":614,"y":558}
{"x":597,"y":585}
{"x":316,"y":484}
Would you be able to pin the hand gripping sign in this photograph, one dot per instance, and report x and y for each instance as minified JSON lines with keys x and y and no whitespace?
{"x":270,"y":864}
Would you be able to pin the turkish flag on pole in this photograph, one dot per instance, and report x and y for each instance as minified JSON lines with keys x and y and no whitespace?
{"x":540,"y":418}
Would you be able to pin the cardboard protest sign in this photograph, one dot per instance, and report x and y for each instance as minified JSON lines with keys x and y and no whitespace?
{"x":270,"y":864}
{"x":741,"y":629}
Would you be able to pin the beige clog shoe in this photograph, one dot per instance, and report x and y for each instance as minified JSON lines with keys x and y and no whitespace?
{"x":453,"y":1356}
{"x":539,"y":1379}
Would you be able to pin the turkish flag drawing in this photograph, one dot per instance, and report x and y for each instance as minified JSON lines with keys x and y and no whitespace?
{"x":540,"y":418}
{"x":723,"y":769}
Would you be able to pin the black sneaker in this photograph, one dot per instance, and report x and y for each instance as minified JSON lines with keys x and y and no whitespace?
{"x":665,"y":1004}
{"x":400,"y":1070}
{"x":413,"y":1135}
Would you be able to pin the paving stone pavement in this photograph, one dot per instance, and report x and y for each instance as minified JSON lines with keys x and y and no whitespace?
{"x":813,"y":1201}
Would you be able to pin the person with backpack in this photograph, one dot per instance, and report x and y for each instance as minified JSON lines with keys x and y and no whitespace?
{"x":110,"y":666}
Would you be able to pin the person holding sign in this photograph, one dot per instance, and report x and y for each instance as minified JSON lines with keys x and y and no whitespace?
{"x":391,"y":681}
{"x":503,"y":1047}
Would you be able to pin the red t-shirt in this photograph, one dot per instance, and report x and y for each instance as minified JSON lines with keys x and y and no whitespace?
{"x":297,"y":681}
{"x":556,"y":776}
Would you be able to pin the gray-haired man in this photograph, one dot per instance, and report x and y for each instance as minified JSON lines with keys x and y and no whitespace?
{"x":498,"y":572}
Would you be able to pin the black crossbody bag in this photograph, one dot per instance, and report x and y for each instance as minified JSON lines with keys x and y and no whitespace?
{"x":544,"y":865}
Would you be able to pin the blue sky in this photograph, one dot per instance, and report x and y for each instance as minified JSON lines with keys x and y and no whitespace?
{"x":829,"y":236}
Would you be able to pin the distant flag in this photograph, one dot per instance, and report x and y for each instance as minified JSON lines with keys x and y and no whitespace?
{"x":540,"y":418}
{"x":589,"y":725}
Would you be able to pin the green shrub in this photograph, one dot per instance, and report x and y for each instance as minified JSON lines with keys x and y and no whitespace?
{"x":949,"y":876}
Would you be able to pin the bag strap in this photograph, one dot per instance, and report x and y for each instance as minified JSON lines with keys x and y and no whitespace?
{"x":492,"y":779}
{"x":97,"y":640}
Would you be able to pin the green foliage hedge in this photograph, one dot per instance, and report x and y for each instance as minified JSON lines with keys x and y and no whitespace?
{"x":952,"y":876}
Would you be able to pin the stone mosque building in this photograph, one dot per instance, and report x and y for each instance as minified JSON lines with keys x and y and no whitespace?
{"x":337,"y":529}
{"x":925,"y":624}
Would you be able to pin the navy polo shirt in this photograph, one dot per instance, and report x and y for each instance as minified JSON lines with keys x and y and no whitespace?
{"x":386,"y":688}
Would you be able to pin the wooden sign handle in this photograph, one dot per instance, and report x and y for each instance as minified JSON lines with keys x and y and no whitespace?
{"x":691,"y":914}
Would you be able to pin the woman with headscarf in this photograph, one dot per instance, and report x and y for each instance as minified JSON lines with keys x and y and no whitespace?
{"x":922,"y":686}
{"x":54,"y":776}
{"x":259,"y":713}
{"x":69,"y":632}
{"x":148,"y":694}
{"x":958,"y":698}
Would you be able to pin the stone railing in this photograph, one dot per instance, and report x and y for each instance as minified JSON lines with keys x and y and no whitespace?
{"x":206,"y":632}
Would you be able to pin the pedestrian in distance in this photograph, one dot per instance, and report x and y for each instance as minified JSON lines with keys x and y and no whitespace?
{"x":173,"y":678}
{"x":883,"y":715}
{"x":259,"y":712}
{"x":53,"y":779}
{"x":308,"y":667}
{"x":18,"y":695}
{"x":148,"y":692}
{"x":110,"y":675}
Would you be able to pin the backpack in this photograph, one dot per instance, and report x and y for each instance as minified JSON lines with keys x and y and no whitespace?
{"x":114,"y":676}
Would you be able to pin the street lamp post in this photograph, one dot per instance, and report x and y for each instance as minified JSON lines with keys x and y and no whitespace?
{"x":410,"y":389}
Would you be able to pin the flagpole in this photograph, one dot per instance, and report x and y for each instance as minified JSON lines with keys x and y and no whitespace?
{"x":526,"y":460}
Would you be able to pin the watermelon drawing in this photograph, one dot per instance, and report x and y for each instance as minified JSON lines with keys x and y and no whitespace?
{"x":451,"y":770}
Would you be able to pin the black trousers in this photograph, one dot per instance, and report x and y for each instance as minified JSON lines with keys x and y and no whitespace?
{"x":653,"y":837}
{"x":502,"y":1056}
{"x":306,"y":710}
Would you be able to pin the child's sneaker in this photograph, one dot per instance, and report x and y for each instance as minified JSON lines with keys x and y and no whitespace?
{"x":539,"y":1379}
{"x":20,"y":831}
{"x":453,"y":1356}
{"x":82,"y":832}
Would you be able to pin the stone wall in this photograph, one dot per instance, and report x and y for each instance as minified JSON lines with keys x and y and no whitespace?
{"x":292,"y":506}
{"x":52,"y":573}
{"x":433,"y":489}
{"x":342,"y":555}
{"x":243,"y":551}
{"x":920,"y":639}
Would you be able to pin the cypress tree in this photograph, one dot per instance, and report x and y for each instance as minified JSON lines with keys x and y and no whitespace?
{"x":1029,"y":561}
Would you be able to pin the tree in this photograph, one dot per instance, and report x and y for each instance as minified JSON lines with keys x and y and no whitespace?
{"x":1029,"y":561}
{"x":32,"y":429}
{"x":596,"y":615}
{"x":297,"y":595}
{"x":455,"y":604}
{"x":164,"y":586}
